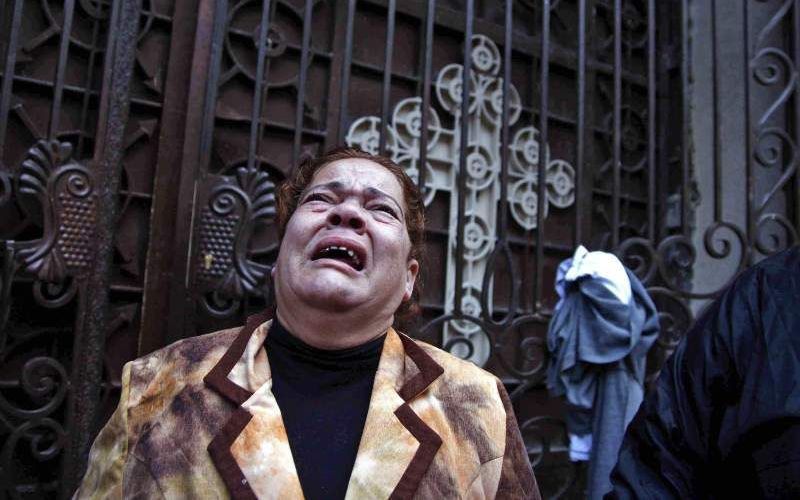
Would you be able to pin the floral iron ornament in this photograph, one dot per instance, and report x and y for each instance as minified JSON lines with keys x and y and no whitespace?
{"x":65,"y":191}
{"x":235,"y":206}
{"x":483,"y":168}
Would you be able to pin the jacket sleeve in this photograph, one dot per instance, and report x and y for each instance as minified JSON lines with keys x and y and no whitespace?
{"x":670,"y":447}
{"x":516,"y":475}
{"x":103,"y":478}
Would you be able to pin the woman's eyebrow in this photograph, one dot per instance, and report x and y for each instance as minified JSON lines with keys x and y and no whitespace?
{"x":377,"y":193}
{"x":332,"y":186}
{"x":339,"y":187}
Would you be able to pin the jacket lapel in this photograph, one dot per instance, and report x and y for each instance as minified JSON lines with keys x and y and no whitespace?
{"x":396,"y":447}
{"x":251,"y":451}
{"x":262,"y":449}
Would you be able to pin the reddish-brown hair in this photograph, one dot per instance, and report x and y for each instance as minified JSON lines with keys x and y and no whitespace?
{"x":288,"y":196}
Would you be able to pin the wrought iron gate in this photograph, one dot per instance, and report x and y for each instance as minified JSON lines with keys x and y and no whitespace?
{"x":139,"y":162}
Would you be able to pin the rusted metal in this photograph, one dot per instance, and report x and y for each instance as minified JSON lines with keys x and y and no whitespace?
{"x":196,"y":147}
{"x":334,"y":88}
{"x":160,"y":274}
{"x":91,"y":322}
{"x":61,"y":67}
{"x":87,"y":97}
{"x":299,"y":124}
{"x":259,"y":91}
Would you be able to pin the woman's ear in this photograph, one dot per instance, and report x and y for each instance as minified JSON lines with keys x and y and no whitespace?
{"x":412,"y":269}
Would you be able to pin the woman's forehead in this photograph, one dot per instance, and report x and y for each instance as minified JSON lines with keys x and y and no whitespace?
{"x":358,"y":174}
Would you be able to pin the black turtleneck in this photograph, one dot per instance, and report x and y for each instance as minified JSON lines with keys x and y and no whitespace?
{"x":323,"y":396}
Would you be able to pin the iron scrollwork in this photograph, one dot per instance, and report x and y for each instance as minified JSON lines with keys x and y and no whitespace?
{"x":774,"y":70}
{"x":32,"y":431}
{"x":51,"y":185}
{"x":235,"y":207}
{"x":65,"y":192}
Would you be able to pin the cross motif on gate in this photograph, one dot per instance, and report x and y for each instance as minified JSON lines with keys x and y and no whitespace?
{"x":483,"y":166}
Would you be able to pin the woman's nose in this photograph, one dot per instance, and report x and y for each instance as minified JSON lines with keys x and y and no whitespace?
{"x":347,"y":215}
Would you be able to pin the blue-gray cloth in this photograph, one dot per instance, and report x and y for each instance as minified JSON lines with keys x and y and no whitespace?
{"x":599,"y":350}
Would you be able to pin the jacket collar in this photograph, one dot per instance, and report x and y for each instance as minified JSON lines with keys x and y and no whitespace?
{"x":251,"y":450}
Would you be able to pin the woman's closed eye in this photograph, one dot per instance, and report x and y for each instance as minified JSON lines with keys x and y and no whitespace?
{"x":318,"y":197}
{"x":381,"y":207}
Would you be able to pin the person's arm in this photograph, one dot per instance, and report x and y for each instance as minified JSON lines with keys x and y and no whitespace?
{"x":670,"y":448}
{"x":103,"y":478}
{"x":516,"y":475}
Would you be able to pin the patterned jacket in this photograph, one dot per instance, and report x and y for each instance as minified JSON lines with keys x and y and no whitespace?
{"x":197,"y":419}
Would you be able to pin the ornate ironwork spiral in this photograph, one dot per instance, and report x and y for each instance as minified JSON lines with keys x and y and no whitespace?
{"x":44,"y":380}
{"x":771,"y":143}
{"x":677,"y":256}
{"x":771,"y":65}
{"x":220,"y":307}
{"x":45,"y":437}
{"x":223,"y":201}
{"x":79,"y":183}
{"x":455,"y":343}
{"x":719,"y":247}
{"x":54,"y":295}
{"x":541,"y":434}
{"x":770,"y":243}
{"x":532,"y":348}
{"x":501,"y":250}
{"x":672,"y":326}
{"x":640,"y":257}
{"x":770,"y":74}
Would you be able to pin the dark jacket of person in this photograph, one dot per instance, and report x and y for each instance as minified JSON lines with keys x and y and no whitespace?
{"x":723,"y":420}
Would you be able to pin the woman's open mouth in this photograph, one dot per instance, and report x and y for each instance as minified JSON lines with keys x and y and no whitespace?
{"x":341,"y":254}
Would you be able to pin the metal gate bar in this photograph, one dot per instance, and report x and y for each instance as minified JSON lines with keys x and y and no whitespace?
{"x":464,"y":147}
{"x":299,"y":127}
{"x":580,"y":122}
{"x":387,"y":75}
{"x":259,"y":94}
{"x":8,"y":74}
{"x":544,"y":83}
{"x":615,"y":199}
{"x":348,"y":58}
{"x":427,"y":41}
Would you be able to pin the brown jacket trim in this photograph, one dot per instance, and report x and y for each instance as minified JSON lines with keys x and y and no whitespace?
{"x":516,"y":476}
{"x":429,"y":444}
{"x":429,"y":440}
{"x":218,"y":379}
{"x":220,"y":450}
{"x":429,"y":370}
